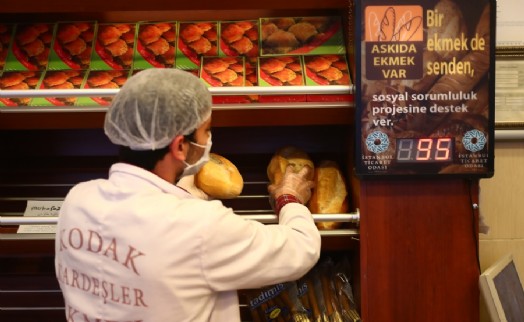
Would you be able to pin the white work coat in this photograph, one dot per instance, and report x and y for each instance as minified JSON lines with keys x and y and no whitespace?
{"x":136,"y":248}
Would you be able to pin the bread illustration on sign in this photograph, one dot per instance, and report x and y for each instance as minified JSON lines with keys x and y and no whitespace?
{"x":30,"y":46}
{"x":330,"y":193}
{"x":239,"y":38}
{"x":72,"y":46}
{"x":301,"y":36}
{"x":219,"y":178}
{"x":21,"y":80}
{"x":156,"y":45}
{"x":288,"y":155}
{"x":114,"y":47}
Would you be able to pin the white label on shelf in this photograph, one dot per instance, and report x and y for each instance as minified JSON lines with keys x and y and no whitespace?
{"x":40,"y":208}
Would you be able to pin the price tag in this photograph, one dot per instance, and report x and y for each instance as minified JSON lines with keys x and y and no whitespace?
{"x":40,"y":208}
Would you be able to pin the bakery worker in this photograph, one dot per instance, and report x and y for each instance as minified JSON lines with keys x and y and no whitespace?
{"x":135,"y":247}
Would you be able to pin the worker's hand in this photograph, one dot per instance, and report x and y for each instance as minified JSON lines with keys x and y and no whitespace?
{"x":295,"y":184}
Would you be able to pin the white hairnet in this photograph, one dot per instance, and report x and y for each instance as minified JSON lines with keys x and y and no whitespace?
{"x":156,"y":105}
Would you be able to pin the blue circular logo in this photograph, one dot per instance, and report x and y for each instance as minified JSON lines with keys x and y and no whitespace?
{"x":474,"y":140}
{"x":377,"y":142}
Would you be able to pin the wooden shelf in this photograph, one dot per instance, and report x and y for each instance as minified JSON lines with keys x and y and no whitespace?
{"x":290,"y":114}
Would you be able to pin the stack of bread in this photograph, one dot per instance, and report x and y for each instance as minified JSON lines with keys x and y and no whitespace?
{"x":330,"y":193}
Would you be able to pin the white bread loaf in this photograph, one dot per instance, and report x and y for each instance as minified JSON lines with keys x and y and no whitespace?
{"x":288,"y":155}
{"x":219,"y":178}
{"x":330,"y":194}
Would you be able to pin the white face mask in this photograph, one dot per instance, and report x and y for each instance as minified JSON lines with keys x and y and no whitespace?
{"x":195,"y":167}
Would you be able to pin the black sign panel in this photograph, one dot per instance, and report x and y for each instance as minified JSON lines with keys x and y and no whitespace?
{"x":425,"y":88}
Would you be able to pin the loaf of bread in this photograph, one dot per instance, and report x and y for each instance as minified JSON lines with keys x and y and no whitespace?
{"x":330,"y":194}
{"x":288,"y":155}
{"x":219,"y":178}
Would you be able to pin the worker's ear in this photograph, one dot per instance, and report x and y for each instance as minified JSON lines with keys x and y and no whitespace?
{"x":179,"y":147}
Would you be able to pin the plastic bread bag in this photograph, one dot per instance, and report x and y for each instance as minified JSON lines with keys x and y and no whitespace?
{"x":310,"y":294}
{"x":302,"y":289}
{"x":344,"y":291}
{"x":276,"y":303}
{"x":325,"y":277}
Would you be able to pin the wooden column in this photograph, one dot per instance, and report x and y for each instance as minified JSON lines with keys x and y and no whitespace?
{"x":419,"y":246}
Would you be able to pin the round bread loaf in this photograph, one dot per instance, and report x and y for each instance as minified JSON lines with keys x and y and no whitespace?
{"x":288,"y":155}
{"x":219,"y":178}
{"x":330,"y":194}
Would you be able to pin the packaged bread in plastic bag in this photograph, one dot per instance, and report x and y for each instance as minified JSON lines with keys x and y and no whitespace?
{"x":278,"y":303}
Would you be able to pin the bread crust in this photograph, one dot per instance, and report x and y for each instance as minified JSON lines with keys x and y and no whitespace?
{"x":330,"y":193}
{"x":219,"y":178}
{"x":288,"y":155}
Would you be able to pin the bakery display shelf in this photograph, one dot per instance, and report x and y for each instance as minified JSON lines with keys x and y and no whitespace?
{"x":232,"y":90}
{"x":225,"y":115}
{"x":267,"y":218}
{"x":10,"y":220}
{"x":50,"y":236}
{"x":12,"y":236}
{"x":252,"y":204}
{"x":216,"y":107}
{"x":215,"y":91}
{"x":65,"y":6}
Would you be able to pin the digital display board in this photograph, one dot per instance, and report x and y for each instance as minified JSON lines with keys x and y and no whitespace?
{"x":422,"y":150}
{"x":425,"y":88}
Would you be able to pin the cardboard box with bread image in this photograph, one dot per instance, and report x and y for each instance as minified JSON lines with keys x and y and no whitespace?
{"x":72,"y":45}
{"x":18,"y":80}
{"x":281,"y":71}
{"x":6,"y":31}
{"x":238,"y":38}
{"x":63,"y":80}
{"x":301,"y":36}
{"x":329,"y":196}
{"x":30,"y":47}
{"x":327,"y":70}
{"x":114,"y":46}
{"x":196,"y":39}
{"x":224,"y":72}
{"x":155,"y":45}
{"x":102,"y":79}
